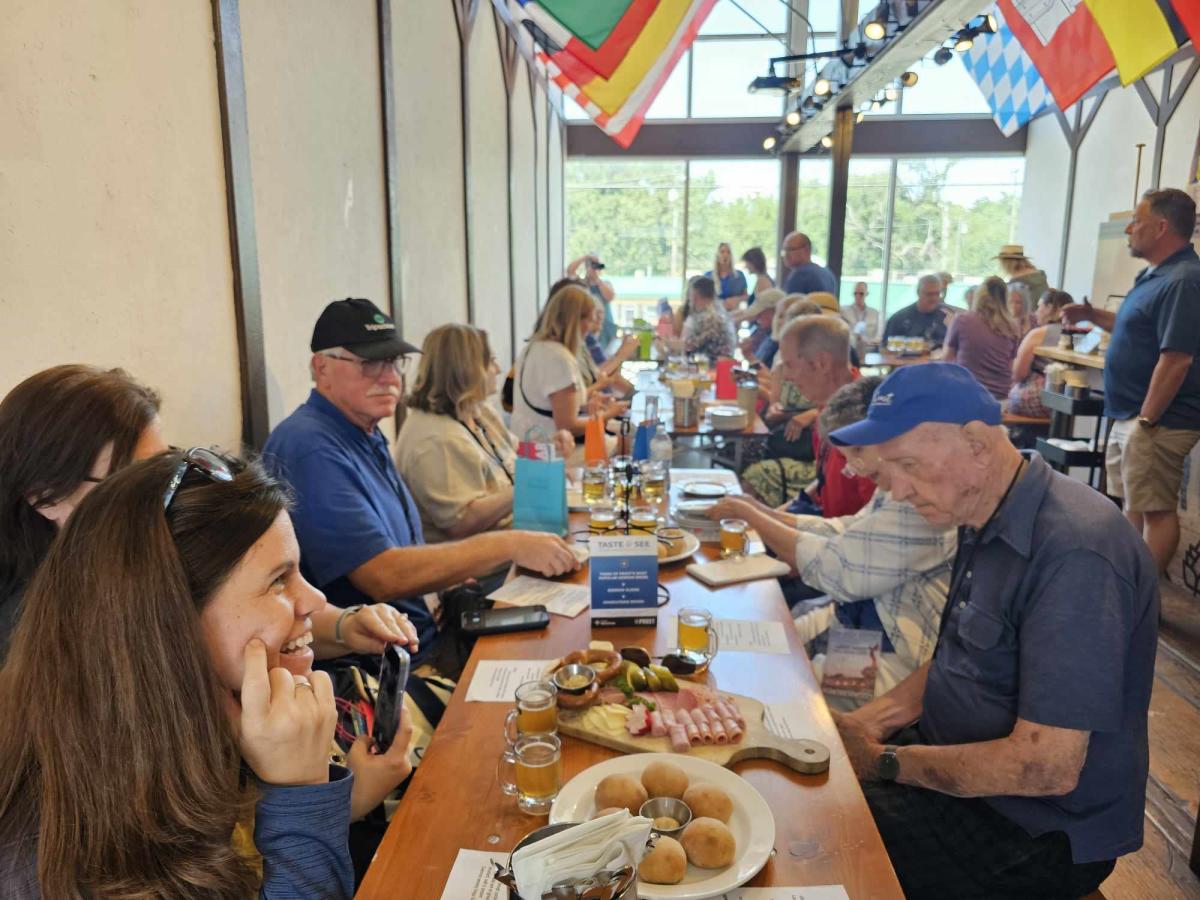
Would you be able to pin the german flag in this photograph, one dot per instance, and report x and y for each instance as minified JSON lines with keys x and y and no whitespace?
{"x":1141,"y":33}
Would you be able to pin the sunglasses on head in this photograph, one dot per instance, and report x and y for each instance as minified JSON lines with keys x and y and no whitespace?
{"x":209,"y":463}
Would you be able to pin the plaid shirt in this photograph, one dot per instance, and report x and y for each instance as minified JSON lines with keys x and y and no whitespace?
{"x":888,"y":553}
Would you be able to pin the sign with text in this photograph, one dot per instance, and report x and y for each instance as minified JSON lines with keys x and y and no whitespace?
{"x":624,"y":580}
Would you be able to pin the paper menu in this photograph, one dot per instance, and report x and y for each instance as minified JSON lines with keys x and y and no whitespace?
{"x":790,"y":720}
{"x":471,"y":878}
{"x":496,"y":680}
{"x":562,"y":599}
{"x":747,"y":635}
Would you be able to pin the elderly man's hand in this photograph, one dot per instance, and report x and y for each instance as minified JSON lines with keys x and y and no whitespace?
{"x":862,"y":746}
{"x":546,"y":554}
{"x":797,"y":423}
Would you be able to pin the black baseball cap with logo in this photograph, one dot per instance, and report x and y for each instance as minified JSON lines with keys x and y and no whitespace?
{"x":362,"y":328}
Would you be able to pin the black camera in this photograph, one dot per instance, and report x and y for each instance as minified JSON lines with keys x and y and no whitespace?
{"x":596,"y":265}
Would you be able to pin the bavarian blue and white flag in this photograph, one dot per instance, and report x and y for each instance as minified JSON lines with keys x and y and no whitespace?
{"x":1004,"y":72}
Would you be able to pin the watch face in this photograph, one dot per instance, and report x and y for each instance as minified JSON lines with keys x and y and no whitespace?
{"x":889,"y":766}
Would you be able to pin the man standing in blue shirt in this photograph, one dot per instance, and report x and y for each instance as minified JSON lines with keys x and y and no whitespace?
{"x":1025,"y":775}
{"x":1151,"y":374}
{"x":804,"y":275}
{"x":357,"y":524}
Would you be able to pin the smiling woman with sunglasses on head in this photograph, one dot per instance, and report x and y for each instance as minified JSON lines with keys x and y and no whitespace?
{"x":182,"y":709}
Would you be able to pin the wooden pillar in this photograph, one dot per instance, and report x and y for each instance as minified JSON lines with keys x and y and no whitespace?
{"x":843,"y":140}
{"x":789,"y":188}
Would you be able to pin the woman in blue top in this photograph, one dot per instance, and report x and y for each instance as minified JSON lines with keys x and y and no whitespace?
{"x":731,"y":284}
{"x":168,"y":736}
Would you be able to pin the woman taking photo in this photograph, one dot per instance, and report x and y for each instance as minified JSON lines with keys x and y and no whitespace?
{"x":453,"y":451}
{"x":985,"y":339}
{"x":548,"y":388}
{"x":731,"y":284}
{"x":201,"y":720}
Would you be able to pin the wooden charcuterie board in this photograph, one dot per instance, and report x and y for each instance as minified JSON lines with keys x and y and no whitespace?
{"x":805,"y":756}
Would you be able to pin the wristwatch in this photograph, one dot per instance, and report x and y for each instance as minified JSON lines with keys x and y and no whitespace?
{"x":889,"y":765}
{"x":1146,"y":422}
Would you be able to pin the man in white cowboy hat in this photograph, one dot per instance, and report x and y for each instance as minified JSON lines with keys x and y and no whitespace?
{"x":1021,"y":271}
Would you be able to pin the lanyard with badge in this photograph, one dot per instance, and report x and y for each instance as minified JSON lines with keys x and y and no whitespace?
{"x":960,"y":573}
{"x":490,"y":450}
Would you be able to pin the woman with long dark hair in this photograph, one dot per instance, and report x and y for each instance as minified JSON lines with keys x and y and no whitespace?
{"x":62,"y":431}
{"x":162,"y":680}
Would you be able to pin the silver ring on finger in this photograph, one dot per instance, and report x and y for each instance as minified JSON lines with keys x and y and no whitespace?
{"x":301,"y":681}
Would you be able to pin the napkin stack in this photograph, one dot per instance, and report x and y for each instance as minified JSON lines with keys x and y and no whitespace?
{"x":610,"y":842}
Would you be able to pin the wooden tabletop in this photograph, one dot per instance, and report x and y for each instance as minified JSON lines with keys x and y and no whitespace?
{"x":824,"y":833}
{"x":1075,"y":358}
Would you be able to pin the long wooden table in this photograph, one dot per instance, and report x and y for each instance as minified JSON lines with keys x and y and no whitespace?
{"x":824,"y":833}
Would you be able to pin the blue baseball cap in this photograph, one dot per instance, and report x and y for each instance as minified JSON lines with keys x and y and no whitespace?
{"x":930,"y":392}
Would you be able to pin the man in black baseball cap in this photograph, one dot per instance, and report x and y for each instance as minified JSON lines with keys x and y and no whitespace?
{"x":358,"y":325}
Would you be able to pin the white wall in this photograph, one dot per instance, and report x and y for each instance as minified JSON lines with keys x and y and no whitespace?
{"x":114,"y":242}
{"x":1104,"y":181}
{"x":489,"y":187}
{"x":316,"y":143}
{"x":429,"y":184}
{"x":524,"y":244}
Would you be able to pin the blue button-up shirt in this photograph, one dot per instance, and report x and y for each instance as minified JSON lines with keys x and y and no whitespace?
{"x":351,"y":504}
{"x":1055,"y":621}
{"x":1161,"y":312}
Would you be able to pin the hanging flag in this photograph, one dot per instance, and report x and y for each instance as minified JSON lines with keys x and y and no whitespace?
{"x":1007,"y":77}
{"x":1140,"y":33}
{"x":1188,"y":13}
{"x":611,"y":58}
{"x":1064,"y":42}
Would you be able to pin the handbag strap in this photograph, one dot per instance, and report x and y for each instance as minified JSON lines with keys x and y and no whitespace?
{"x":549,"y":414}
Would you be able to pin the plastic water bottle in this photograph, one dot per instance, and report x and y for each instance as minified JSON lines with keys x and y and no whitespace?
{"x":662,"y":449}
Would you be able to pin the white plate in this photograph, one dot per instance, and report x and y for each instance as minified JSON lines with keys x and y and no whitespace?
{"x":709,"y":489}
{"x":693,"y":508}
{"x":752,"y":825}
{"x":691,"y":544}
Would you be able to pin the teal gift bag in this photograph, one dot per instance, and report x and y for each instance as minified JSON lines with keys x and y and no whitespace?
{"x":540,"y":491}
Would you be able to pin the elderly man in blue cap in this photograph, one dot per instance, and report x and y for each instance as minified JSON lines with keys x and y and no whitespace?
{"x":1014,"y":763}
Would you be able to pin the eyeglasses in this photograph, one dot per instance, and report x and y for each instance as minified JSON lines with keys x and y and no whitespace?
{"x":208,"y":463}
{"x":373,"y":368}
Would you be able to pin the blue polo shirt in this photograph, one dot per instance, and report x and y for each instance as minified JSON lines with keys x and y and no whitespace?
{"x":1161,"y":312}
{"x":730,"y":285}
{"x":351,"y":504}
{"x":1056,"y":622}
{"x":810,"y":278}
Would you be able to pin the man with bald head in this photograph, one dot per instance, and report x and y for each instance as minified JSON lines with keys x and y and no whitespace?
{"x":804,"y":275}
{"x":1014,"y":763}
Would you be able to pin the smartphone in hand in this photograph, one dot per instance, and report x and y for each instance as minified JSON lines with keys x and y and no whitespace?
{"x":389,"y":701}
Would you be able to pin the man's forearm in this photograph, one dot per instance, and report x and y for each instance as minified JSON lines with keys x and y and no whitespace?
{"x":897,"y":709}
{"x":411,"y":571}
{"x":1102,"y":318}
{"x":1169,"y":372}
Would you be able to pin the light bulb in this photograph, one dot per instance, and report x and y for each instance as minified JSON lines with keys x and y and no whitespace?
{"x":858,"y":118}
{"x":875,"y":30}
{"x":876,"y":105}
{"x":827,"y":142}
{"x":793,"y":118}
{"x":990,"y":24}
{"x":891,"y":93}
{"x":964,"y":43}
{"x":822,"y":87}
{"x":908,"y":79}
{"x":769,"y":143}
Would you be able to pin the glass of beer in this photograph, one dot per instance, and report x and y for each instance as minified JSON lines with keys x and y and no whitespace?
{"x":531,"y":770}
{"x":654,"y":480}
{"x":595,"y":484}
{"x":602,"y":518}
{"x":697,"y":638}
{"x":735,"y":537}
{"x":536,"y":711}
{"x":644,"y":518}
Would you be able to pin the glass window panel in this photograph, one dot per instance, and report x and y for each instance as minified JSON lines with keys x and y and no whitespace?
{"x":721,"y":72}
{"x":943,"y":90}
{"x":671,"y":102}
{"x":952,"y":215}
{"x":731,"y":201}
{"x":824,"y":15}
{"x":812,"y":204}
{"x":866,"y":229}
{"x":726,"y":18}
{"x":630,"y":213}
